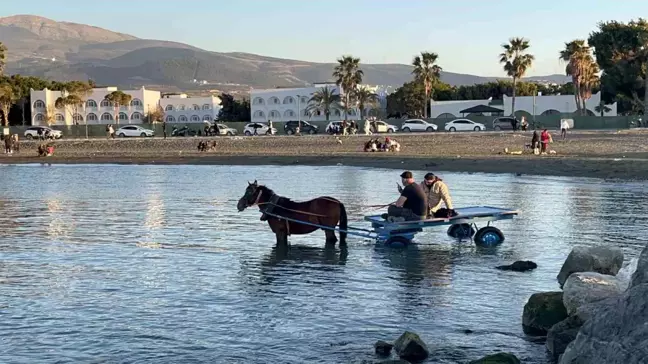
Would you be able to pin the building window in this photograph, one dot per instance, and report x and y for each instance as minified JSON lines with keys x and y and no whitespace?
{"x":289,"y":100}
{"x":91,"y":117}
{"x":168,"y":108}
{"x":105,"y":103}
{"x":91,"y":103}
{"x":195,"y":107}
{"x":182,"y":119}
{"x":336,"y":112}
{"x":77,"y":118}
{"x":289,"y":114}
{"x":181,"y":108}
{"x":170,"y":119}
{"x":304,"y":100}
{"x":39,"y":117}
{"x":274,"y":100}
{"x":39,"y":104}
{"x":207,"y":118}
{"x":136,"y":116}
{"x":106,"y":117}
{"x":258,"y":101}
{"x":123,"y":116}
{"x":274,"y":114}
{"x":59,"y":117}
{"x":206,"y":107}
{"x":195,"y":118}
{"x":136,"y":102}
{"x":259,"y":114}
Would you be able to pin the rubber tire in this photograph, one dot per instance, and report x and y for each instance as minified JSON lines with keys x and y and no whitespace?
{"x":429,"y":129}
{"x":229,"y":133}
{"x":289,"y":132}
{"x":406,"y":130}
{"x":488,"y":236}
{"x":122,"y":135}
{"x":461,"y":231}
{"x":143,"y":135}
{"x":397,"y":242}
{"x":391,"y":131}
{"x":247,"y":133}
{"x":477,"y":128}
{"x":311,"y":131}
{"x":29,"y":136}
{"x":498,"y":128}
{"x":453,"y":129}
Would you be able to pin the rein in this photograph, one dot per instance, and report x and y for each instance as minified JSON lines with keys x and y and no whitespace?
{"x":256,"y":202}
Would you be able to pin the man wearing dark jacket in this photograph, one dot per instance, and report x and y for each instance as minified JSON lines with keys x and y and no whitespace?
{"x":412,"y":203}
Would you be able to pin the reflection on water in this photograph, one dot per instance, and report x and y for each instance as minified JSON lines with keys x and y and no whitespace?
{"x":153,"y":263}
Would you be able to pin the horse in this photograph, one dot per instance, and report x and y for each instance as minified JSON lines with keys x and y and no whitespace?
{"x":324,"y":211}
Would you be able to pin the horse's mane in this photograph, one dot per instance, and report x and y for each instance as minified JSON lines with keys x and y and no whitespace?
{"x":285,"y":201}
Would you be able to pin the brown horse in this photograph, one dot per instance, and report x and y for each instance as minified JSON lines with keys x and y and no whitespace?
{"x":323,"y":211}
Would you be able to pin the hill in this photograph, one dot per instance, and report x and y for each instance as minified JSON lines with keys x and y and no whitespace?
{"x":66,"y":51}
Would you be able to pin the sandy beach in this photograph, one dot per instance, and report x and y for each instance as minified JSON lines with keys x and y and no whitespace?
{"x":602,"y":154}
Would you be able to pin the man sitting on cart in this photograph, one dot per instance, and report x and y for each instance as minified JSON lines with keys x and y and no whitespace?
{"x":437,"y":193}
{"x":412,"y":203}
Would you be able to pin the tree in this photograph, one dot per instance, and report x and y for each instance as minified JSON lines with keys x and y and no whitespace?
{"x":156,"y":114}
{"x":3,"y":51}
{"x":583,"y":70}
{"x":117,"y":98}
{"x":348,"y":75}
{"x":364,"y":97}
{"x":516,"y":62}
{"x":427,"y":73}
{"x":621,"y":53}
{"x":408,"y":99}
{"x":233,"y":110}
{"x":323,"y":100}
{"x":7,"y":98}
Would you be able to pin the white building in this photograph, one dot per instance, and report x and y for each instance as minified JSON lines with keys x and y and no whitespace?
{"x":524,"y":105}
{"x":95,"y":110}
{"x":182,"y":109}
{"x":284,"y":104}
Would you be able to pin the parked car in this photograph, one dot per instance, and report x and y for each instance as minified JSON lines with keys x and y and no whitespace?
{"x":226,"y":130}
{"x":504,"y":123}
{"x":32,"y":132}
{"x":464,"y":125}
{"x":134,"y":131}
{"x":304,"y":127}
{"x":261,"y":129}
{"x":383,"y":127}
{"x":417,"y":125}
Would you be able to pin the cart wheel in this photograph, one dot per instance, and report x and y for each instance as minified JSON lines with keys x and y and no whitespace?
{"x":397,"y":242}
{"x":461,"y":231}
{"x":488,"y":236}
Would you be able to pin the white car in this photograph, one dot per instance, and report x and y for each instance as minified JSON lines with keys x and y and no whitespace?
{"x":383,"y":127}
{"x":133,"y":131}
{"x":261,"y":129}
{"x":32,"y":132}
{"x":417,"y":125}
{"x":226,"y":130}
{"x":464,"y":125}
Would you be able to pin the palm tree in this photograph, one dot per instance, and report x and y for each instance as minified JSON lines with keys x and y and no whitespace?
{"x":3,"y":50}
{"x":427,"y":73}
{"x":323,"y":100}
{"x":516,"y":62}
{"x":117,"y":98}
{"x":8,"y":96}
{"x":364,"y":97}
{"x":348,"y":75}
{"x":582,"y":69}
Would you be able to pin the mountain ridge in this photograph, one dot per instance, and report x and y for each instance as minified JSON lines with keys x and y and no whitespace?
{"x":65,"y":51}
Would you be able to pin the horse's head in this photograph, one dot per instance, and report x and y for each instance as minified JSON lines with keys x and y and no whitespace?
{"x":250,"y":197}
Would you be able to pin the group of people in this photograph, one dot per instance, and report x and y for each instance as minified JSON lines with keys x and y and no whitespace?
{"x":420,"y":201}
{"x":540,"y":142}
{"x":343,"y":128}
{"x":204,"y":146}
{"x":389,"y":145}
{"x":11,"y":144}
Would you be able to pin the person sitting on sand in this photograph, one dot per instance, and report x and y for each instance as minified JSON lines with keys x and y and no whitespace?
{"x":437,"y":192}
{"x":370,"y":146}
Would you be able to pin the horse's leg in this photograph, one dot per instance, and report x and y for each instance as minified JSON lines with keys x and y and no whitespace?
{"x":282,"y":238}
{"x":330,"y":237}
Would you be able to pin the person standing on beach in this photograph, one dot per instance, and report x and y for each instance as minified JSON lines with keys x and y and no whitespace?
{"x":545,"y":138}
{"x":164,"y":129}
{"x":16,"y":144}
{"x":564,"y":125}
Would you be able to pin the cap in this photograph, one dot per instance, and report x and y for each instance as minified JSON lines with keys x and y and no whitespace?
{"x":429,"y":175}
{"x":406,"y":174}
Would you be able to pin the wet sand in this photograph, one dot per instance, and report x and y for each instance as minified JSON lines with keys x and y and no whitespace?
{"x":602,"y":154}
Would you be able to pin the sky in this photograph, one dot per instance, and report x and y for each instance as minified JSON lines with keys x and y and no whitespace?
{"x":467,"y":35}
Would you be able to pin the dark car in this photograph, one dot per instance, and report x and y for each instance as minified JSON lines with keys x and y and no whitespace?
{"x":505,"y":123}
{"x":290,"y":127}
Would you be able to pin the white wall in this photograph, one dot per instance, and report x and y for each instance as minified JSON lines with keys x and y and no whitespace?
{"x":183,"y":109}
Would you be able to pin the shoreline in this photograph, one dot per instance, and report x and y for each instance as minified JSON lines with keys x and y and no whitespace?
{"x":603,"y":168}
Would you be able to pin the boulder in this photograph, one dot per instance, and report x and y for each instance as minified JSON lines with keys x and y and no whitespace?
{"x":410,"y":347}
{"x":617,"y":335}
{"x":588,"y":287}
{"x":542,"y":311}
{"x":383,"y":348}
{"x":499,"y":358}
{"x":599,"y":259}
{"x":626,"y":272}
{"x":561,"y":334}
{"x":640,"y":275}
{"x":519,"y":266}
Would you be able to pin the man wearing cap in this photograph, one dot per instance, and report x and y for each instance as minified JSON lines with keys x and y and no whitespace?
{"x":411,"y":205}
{"x":436,"y":192}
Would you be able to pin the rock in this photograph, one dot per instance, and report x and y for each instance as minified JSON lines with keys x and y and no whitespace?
{"x":626,"y":272}
{"x":410,"y":347}
{"x":600,"y":259}
{"x":640,"y":275}
{"x":519,"y":266}
{"x":588,"y":287}
{"x":542,"y":311}
{"x":561,"y":334}
{"x":499,"y":358}
{"x":617,"y":335}
{"x":383,"y":348}
{"x":589,"y":310}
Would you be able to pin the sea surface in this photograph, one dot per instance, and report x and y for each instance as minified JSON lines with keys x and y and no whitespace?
{"x":153,"y":264}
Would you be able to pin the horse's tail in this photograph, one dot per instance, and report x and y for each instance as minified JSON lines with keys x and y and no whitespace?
{"x":343,"y":224}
